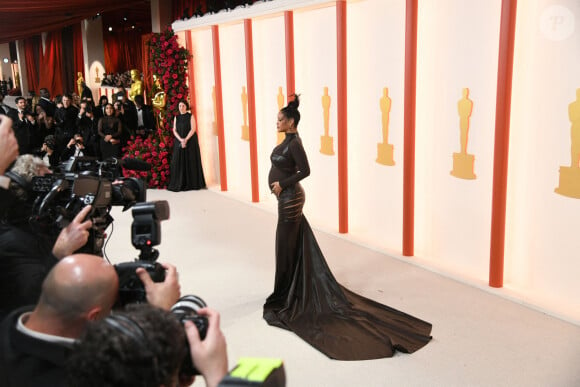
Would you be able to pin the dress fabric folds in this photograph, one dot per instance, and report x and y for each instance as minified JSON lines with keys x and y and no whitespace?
{"x":186,"y":172}
{"x":309,"y":301}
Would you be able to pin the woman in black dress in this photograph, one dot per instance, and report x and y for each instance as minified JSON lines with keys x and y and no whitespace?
{"x":110,"y":129}
{"x":186,"y":171}
{"x":307,"y":299}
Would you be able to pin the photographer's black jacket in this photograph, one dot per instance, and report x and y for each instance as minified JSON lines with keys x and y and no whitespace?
{"x":27,"y":361}
{"x":25,"y":260}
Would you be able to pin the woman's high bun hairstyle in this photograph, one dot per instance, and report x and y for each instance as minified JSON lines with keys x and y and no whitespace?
{"x":291,"y":110}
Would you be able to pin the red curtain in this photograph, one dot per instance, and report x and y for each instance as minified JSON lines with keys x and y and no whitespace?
{"x":79,"y":58}
{"x":32,"y":51}
{"x":147,"y":76}
{"x":122,"y":54}
{"x":51,"y":64}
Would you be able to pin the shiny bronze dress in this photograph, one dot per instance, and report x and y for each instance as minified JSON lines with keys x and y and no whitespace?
{"x":308,"y":300}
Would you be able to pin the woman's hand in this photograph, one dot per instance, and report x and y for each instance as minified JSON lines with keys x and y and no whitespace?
{"x":183,"y":143}
{"x":276,"y":189}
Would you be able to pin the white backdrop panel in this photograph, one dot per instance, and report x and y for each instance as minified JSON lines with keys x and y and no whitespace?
{"x":542,"y":241}
{"x":204,"y":82}
{"x":233,"y":66}
{"x":376,"y":59}
{"x":315,"y":63}
{"x":270,"y":73}
{"x":458,"y":44}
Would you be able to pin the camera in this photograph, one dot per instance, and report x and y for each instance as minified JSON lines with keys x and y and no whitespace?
{"x":145,"y":234}
{"x":185,"y":309}
{"x":83,"y":181}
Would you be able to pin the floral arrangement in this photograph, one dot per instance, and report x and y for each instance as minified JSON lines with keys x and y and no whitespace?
{"x":169,"y":61}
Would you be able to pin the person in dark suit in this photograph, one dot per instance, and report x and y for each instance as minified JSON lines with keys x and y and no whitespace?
{"x":44,"y":101}
{"x":145,"y":118}
{"x":21,"y":124}
{"x":65,"y":119}
{"x":35,"y":342}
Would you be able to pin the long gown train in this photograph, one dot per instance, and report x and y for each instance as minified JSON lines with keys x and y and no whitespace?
{"x":309,"y":301}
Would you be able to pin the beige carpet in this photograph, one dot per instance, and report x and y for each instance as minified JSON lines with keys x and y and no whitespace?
{"x":224,"y":251}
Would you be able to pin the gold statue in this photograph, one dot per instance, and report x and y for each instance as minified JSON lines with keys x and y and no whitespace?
{"x":136,"y":85}
{"x":80,"y":83}
{"x":463,"y":162}
{"x":326,"y":147}
{"x":570,"y":176}
{"x":97,"y":79}
{"x":158,"y":101}
{"x":245,"y":126}
{"x":384,"y":149}
{"x":280,"y":135}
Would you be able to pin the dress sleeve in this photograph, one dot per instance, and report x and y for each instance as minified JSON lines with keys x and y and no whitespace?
{"x":297,"y":152}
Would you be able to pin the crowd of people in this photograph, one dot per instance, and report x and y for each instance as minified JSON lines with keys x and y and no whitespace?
{"x":55,"y":303}
{"x":70,"y":125}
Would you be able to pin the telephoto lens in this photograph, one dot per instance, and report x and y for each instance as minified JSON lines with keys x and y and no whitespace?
{"x":185,"y":309}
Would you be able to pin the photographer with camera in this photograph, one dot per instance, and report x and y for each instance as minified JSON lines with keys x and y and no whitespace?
{"x":145,"y":346}
{"x":35,"y":342}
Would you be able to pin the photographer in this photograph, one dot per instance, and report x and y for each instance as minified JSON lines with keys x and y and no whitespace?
{"x":28,"y":252}
{"x":74,"y":148}
{"x":35,"y":342}
{"x":145,"y":346}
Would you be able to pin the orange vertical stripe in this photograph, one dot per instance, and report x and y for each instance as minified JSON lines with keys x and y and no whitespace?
{"x":252,"y":109}
{"x":290,"y":71}
{"x":410,"y":101}
{"x":501,"y":149}
{"x":190,"y":71}
{"x":341,"y":106}
{"x":219,"y":107}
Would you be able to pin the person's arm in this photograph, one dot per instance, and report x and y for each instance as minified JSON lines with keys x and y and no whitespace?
{"x":297,"y":152}
{"x":74,"y":236}
{"x":210,"y":356}
{"x":193,"y":126}
{"x":8,"y":144}
{"x":175,"y":129}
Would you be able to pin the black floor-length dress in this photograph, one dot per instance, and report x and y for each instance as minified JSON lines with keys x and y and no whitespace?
{"x":186,"y":172}
{"x":308,"y":300}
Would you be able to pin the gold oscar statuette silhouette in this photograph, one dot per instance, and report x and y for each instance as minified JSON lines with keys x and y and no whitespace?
{"x":384,"y":149}
{"x":136,"y":84}
{"x":245,"y":126}
{"x":326,"y":147}
{"x":97,"y":79}
{"x":214,"y":123}
{"x":570,"y":176}
{"x":80,"y":81}
{"x":280,"y":135}
{"x":463,"y":162}
{"x":158,"y":101}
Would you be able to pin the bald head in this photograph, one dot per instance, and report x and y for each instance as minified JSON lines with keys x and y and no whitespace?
{"x":78,"y":284}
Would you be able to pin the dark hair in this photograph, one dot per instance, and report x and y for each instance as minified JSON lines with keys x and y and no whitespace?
{"x":139,"y":99}
{"x":291,"y":110}
{"x":50,"y":141}
{"x":103,"y":98}
{"x":140,"y":346}
{"x":18,"y":99}
{"x":184,"y":102}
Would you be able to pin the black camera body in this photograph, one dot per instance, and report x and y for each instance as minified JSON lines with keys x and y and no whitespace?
{"x":80,"y":182}
{"x":131,"y":288}
{"x":145,"y":234}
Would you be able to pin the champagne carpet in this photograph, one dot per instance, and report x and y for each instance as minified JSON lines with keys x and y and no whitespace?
{"x":224,"y":251}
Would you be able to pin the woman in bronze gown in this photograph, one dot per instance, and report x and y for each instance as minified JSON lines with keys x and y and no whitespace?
{"x":186,"y":170}
{"x":307,"y":299}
